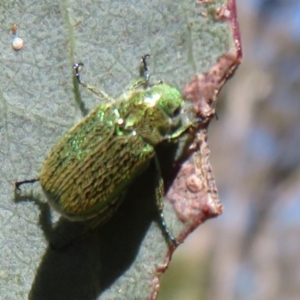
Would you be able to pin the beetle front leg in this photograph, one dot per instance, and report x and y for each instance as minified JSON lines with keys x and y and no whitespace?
{"x":143,"y":81}
{"x":99,"y":93}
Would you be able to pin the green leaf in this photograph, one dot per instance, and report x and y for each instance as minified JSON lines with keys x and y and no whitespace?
{"x":39,"y":100}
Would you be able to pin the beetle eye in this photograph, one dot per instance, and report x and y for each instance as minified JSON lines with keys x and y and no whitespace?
{"x":176,"y":111}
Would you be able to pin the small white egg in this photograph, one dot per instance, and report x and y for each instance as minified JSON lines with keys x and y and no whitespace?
{"x":17,"y":43}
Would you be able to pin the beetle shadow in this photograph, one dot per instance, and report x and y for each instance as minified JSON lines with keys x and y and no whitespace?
{"x":92,"y":261}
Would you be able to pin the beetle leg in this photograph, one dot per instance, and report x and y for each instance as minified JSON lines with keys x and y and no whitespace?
{"x":19,"y":183}
{"x":180,"y":131}
{"x":143,"y":81}
{"x":144,"y":71}
{"x":159,"y":195}
{"x":99,"y":93}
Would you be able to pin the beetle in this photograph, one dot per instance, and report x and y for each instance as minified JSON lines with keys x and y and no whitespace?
{"x":88,"y":171}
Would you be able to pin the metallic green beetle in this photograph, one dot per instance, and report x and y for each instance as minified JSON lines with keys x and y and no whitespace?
{"x":89,"y":169}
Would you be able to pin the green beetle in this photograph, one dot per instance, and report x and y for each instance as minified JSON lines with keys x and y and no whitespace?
{"x":90,"y":168}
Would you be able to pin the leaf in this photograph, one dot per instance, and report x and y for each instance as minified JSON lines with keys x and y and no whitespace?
{"x":39,"y":100}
